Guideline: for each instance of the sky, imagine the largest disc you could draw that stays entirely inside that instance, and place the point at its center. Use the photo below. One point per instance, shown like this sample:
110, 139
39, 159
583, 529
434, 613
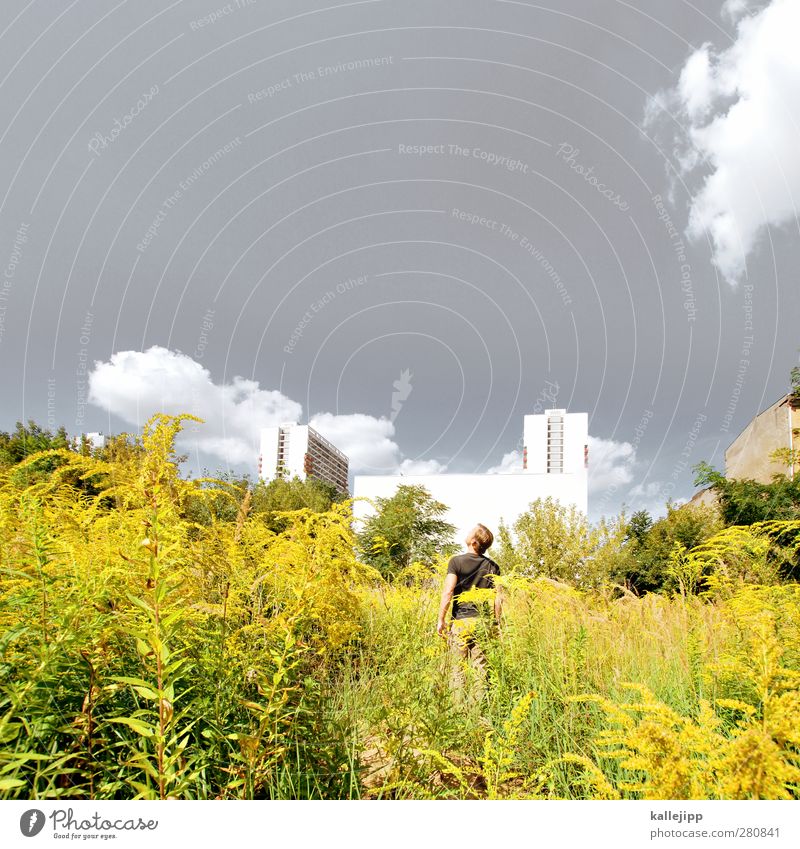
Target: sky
408, 223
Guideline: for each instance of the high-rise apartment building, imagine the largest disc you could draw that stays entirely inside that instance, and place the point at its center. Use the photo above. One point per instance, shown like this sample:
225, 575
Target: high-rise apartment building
554, 463
555, 442
292, 449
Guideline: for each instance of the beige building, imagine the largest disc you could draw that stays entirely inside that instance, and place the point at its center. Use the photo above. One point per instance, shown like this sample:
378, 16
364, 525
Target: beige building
748, 456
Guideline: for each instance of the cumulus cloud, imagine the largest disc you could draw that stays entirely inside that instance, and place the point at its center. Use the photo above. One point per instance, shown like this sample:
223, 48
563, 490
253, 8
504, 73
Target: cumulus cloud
511, 462
135, 384
646, 491
734, 9
367, 441
422, 467
697, 85
741, 113
610, 463
652, 497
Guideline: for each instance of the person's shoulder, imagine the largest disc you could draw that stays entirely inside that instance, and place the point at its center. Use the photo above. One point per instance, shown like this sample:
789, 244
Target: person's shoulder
463, 556
455, 563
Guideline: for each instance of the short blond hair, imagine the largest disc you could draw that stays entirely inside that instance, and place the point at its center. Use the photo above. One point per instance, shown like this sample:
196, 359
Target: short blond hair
483, 536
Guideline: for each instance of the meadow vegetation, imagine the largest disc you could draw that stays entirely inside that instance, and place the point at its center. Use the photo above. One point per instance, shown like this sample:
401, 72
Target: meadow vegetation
162, 637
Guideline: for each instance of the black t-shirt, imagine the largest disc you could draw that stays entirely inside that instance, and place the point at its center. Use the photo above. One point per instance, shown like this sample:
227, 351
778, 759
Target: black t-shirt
473, 571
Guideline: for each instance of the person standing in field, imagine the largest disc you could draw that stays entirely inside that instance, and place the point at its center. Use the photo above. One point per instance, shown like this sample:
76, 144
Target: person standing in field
472, 570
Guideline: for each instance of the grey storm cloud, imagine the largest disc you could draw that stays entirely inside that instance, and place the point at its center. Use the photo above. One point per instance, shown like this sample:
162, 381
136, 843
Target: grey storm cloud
405, 222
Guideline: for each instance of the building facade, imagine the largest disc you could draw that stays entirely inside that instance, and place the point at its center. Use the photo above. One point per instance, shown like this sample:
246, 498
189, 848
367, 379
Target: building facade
292, 449
96, 439
556, 442
747, 457
554, 463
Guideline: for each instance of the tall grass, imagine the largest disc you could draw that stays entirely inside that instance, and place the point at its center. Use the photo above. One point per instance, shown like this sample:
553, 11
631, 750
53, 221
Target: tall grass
144, 654
579, 655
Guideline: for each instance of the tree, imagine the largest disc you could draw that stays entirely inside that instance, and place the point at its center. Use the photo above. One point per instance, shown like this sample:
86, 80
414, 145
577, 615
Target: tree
404, 529
30, 439
280, 494
744, 502
646, 566
639, 526
264, 499
549, 540
791, 456
607, 540
794, 393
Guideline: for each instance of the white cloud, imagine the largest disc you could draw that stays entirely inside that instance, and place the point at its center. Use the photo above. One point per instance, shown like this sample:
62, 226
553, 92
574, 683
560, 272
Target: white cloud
651, 497
741, 107
367, 441
610, 463
511, 462
697, 85
422, 467
646, 491
734, 9
135, 384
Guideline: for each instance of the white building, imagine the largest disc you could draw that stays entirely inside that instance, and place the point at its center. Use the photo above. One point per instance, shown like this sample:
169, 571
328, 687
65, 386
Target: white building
96, 439
291, 449
555, 461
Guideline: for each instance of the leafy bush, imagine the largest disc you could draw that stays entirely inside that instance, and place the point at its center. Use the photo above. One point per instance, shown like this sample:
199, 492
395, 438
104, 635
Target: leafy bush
169, 638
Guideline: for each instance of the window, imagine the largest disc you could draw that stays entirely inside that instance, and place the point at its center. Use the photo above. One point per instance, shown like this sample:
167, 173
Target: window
555, 444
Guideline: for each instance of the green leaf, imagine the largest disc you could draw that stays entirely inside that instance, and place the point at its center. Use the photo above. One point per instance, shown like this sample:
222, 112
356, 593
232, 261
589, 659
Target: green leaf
173, 667
16, 573
134, 682
141, 603
10, 783
161, 591
143, 762
10, 732
147, 693
19, 758
145, 792
168, 620
136, 724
